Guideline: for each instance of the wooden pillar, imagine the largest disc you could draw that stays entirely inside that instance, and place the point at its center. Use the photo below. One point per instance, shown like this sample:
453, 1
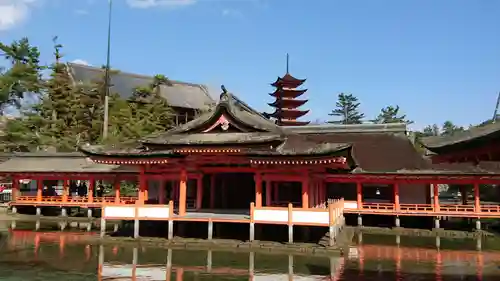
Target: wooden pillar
305, 192
396, 196
477, 199
142, 185
258, 189
90, 191
212, 191
436, 197
65, 190
268, 193
182, 192
117, 190
161, 192
39, 189
146, 190
199, 192
15, 188
359, 195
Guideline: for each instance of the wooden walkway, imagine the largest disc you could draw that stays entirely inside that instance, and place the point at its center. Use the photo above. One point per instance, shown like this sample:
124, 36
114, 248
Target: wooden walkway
486, 211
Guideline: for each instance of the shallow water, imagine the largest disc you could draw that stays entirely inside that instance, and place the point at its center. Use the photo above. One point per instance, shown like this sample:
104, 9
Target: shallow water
54, 256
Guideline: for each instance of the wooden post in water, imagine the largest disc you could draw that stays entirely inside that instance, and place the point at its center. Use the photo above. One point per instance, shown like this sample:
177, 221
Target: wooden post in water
210, 229
252, 222
170, 220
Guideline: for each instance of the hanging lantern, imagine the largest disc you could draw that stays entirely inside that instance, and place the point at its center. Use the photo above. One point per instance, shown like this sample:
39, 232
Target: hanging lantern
377, 192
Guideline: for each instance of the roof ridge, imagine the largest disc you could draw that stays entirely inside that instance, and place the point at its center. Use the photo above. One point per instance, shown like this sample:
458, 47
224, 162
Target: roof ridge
136, 75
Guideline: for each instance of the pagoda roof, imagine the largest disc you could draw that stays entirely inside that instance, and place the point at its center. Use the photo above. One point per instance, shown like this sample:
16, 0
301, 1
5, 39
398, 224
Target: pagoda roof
288, 80
286, 113
287, 103
289, 93
177, 93
293, 123
460, 140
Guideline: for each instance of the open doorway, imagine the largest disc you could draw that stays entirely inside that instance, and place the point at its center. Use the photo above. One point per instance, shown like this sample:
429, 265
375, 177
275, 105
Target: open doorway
232, 191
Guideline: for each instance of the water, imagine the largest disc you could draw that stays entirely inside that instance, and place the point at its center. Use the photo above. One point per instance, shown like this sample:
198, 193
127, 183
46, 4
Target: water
54, 256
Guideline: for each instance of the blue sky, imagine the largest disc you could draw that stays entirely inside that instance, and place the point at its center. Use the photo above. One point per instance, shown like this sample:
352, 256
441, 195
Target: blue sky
436, 59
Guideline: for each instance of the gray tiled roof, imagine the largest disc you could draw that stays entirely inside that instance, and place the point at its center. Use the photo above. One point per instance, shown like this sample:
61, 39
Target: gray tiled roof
179, 94
486, 131
43, 162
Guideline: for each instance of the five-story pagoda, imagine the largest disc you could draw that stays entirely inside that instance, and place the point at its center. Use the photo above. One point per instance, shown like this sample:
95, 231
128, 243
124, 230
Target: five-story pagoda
286, 103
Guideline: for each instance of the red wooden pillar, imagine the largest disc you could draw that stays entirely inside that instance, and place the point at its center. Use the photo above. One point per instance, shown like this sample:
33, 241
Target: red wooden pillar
212, 191
258, 189
182, 192
39, 189
305, 192
477, 202
15, 188
268, 193
199, 192
143, 182
436, 197
396, 196
65, 190
90, 192
161, 192
359, 195
117, 190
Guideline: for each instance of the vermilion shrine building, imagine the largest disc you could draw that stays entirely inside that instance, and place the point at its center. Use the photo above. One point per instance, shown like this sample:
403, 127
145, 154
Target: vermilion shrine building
232, 164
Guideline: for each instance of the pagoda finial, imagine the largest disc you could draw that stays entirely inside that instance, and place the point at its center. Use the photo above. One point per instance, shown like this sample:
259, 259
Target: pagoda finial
287, 62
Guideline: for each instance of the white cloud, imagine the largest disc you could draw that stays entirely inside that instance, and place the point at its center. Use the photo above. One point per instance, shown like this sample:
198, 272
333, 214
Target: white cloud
79, 61
143, 4
81, 12
14, 12
232, 13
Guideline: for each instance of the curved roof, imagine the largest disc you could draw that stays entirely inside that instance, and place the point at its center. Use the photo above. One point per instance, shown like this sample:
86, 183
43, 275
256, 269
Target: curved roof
473, 134
177, 94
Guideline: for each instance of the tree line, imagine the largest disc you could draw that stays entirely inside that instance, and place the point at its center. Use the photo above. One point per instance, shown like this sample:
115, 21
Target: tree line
347, 111
51, 111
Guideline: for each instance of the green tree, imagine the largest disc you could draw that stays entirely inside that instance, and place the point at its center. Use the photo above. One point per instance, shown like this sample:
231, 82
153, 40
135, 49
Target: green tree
449, 128
23, 75
146, 112
391, 114
347, 109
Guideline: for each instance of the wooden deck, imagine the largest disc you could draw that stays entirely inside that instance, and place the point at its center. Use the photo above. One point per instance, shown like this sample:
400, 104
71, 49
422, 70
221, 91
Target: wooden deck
228, 215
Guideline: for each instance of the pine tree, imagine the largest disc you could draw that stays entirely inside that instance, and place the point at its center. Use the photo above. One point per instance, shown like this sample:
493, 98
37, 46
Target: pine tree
23, 76
147, 112
347, 109
390, 114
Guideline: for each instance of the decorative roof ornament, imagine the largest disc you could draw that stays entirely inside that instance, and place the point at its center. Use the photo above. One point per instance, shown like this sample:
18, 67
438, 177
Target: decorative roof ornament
224, 95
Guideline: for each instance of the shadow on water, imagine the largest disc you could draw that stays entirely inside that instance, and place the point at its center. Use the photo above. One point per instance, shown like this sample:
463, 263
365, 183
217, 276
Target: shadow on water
48, 255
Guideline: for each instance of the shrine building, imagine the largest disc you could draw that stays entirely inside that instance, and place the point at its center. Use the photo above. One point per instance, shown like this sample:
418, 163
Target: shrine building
232, 164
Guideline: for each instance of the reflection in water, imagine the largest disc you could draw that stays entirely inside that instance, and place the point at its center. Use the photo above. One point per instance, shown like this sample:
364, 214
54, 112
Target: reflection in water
67, 256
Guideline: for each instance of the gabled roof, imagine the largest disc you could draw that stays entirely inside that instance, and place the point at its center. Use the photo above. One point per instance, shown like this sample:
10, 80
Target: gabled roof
436, 143
252, 133
238, 113
178, 94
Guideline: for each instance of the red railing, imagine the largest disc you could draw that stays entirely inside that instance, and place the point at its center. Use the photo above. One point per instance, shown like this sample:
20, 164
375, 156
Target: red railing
426, 209
74, 200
